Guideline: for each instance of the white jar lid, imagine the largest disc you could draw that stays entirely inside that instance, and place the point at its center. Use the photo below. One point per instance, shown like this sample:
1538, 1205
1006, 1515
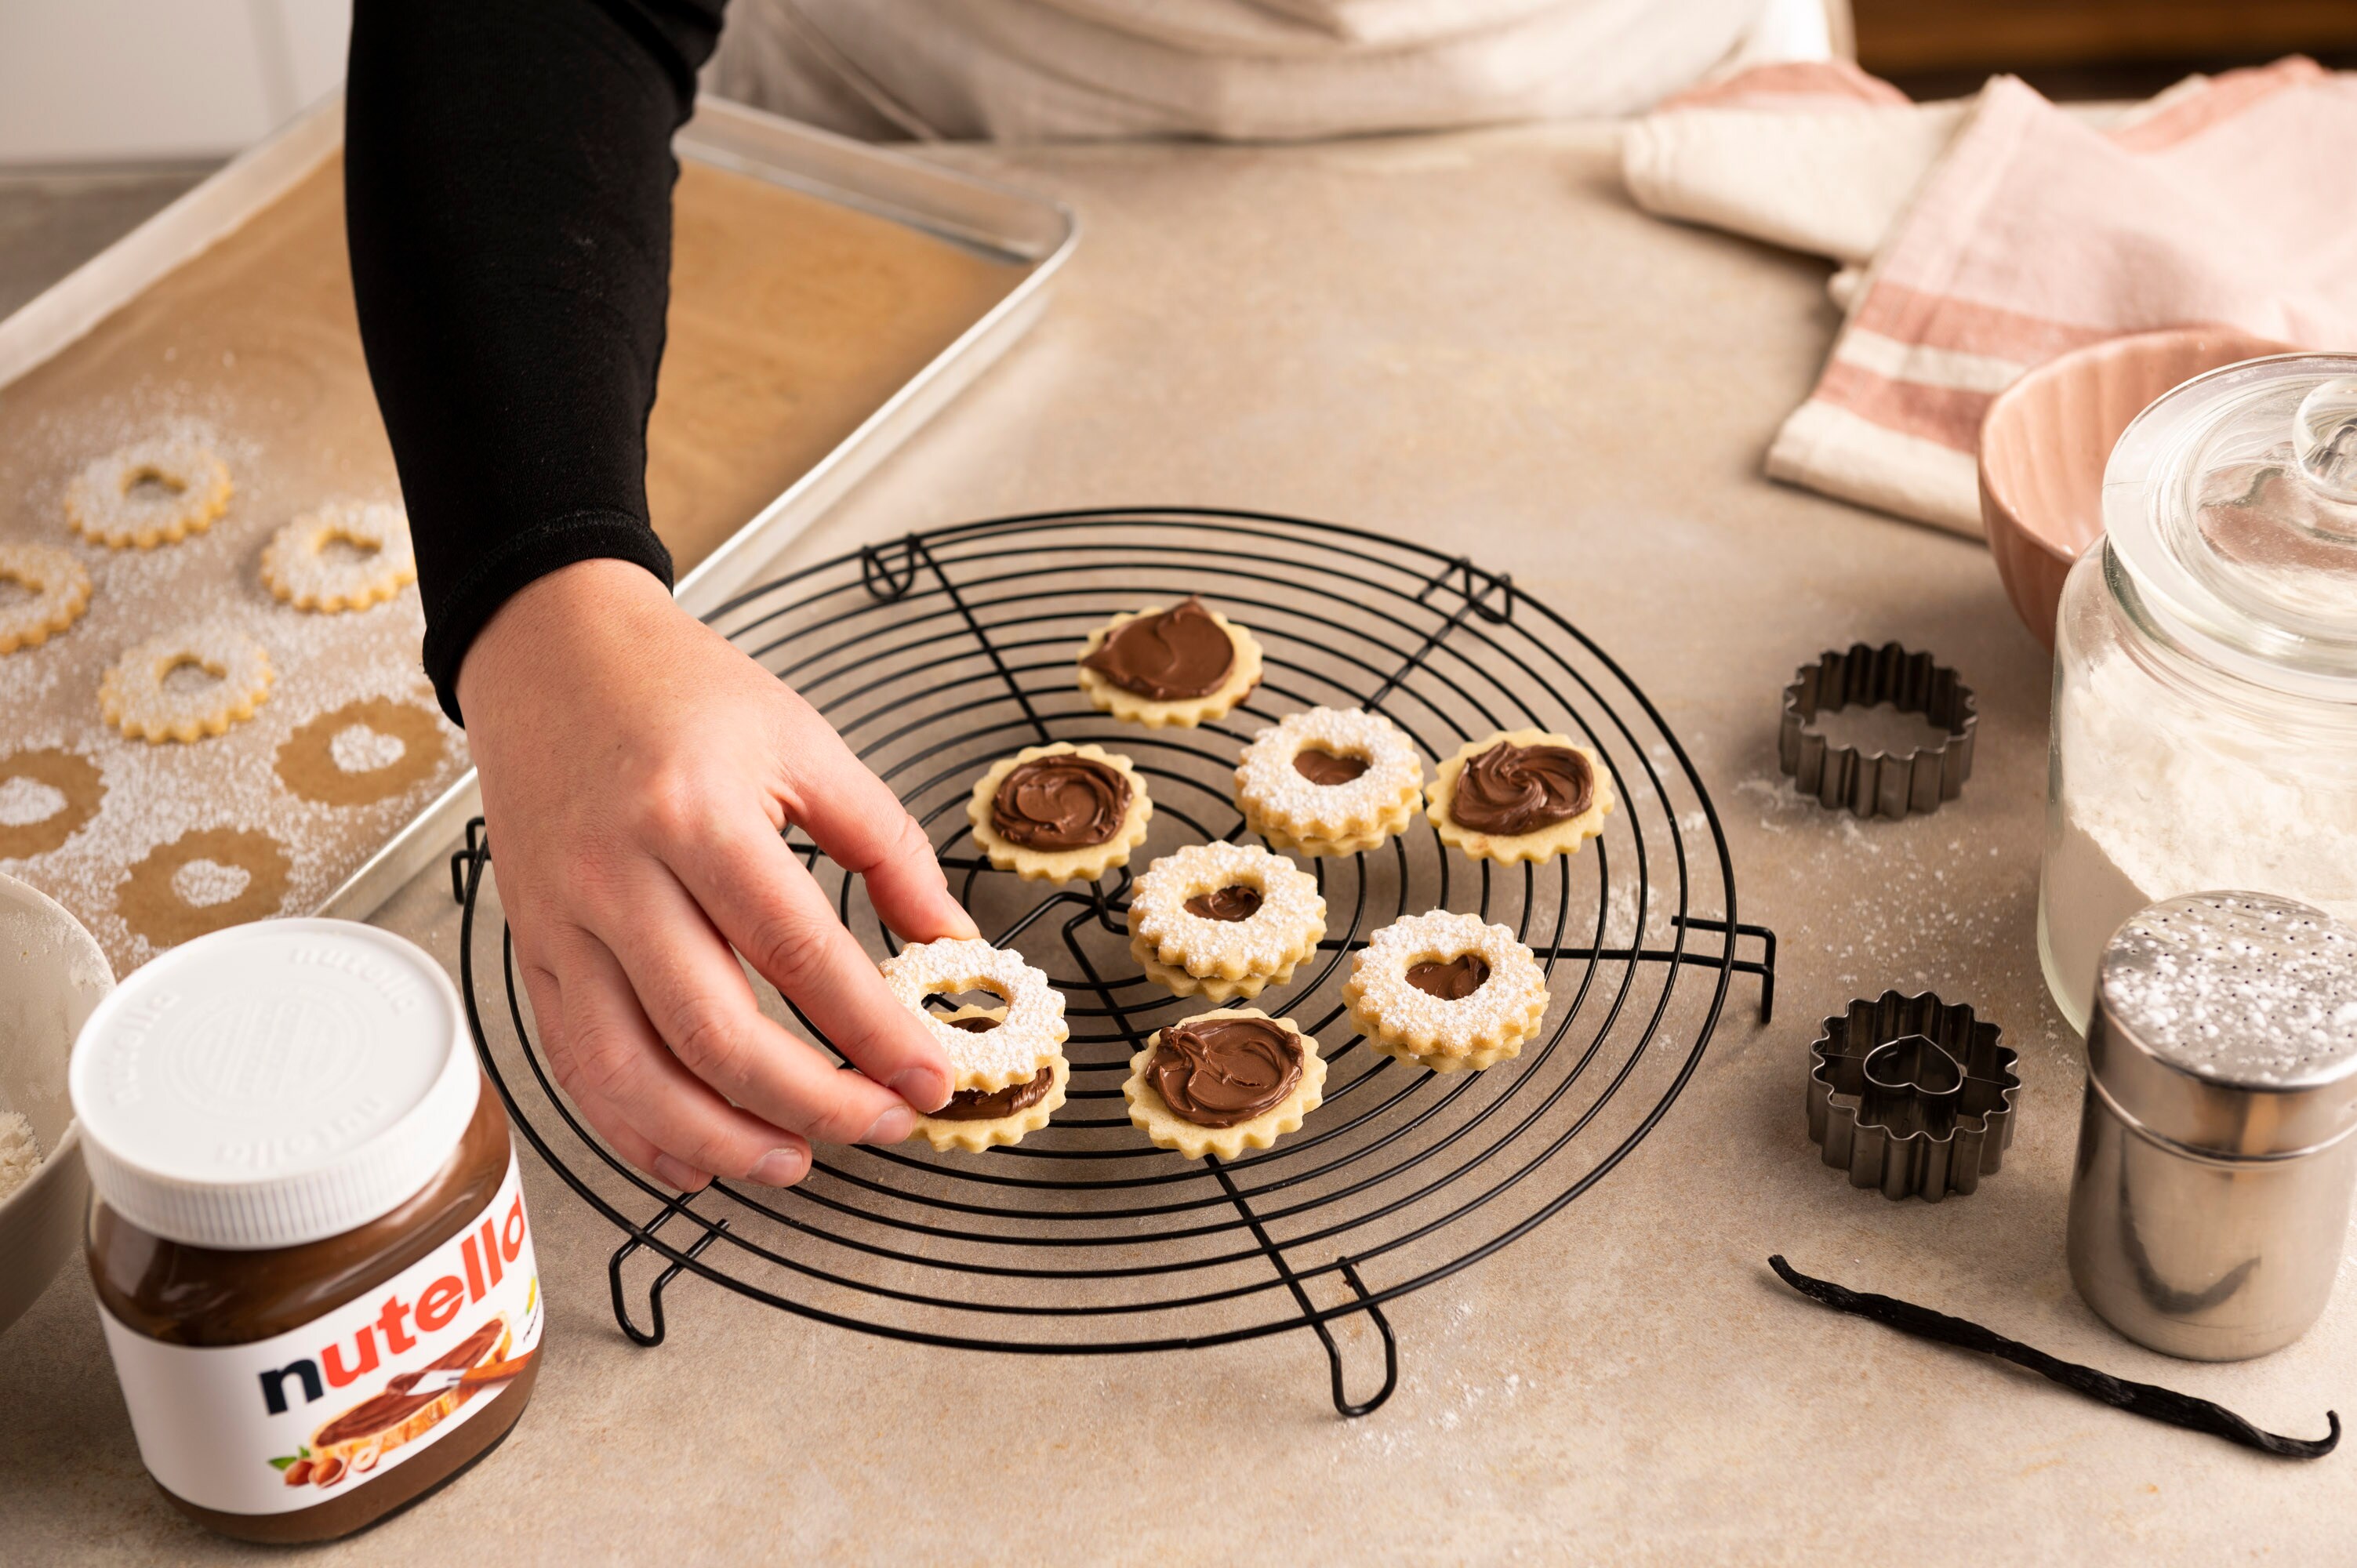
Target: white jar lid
273, 1084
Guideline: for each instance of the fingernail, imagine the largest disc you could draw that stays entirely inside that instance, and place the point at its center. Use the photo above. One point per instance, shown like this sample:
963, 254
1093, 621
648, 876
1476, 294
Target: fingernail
687, 1178
961, 924
780, 1167
891, 1127
922, 1086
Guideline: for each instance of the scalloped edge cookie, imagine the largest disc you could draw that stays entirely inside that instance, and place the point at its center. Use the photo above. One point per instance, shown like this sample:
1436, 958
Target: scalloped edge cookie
1293, 815
1185, 712
1167, 1130
973, 1137
59, 586
1510, 849
132, 698
1218, 988
1161, 929
1034, 1009
1084, 864
98, 505
1385, 1008
296, 573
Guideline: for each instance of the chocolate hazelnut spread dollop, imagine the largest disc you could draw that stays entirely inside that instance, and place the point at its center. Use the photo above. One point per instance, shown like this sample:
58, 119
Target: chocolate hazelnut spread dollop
1218, 1072
1060, 803
1237, 903
1323, 767
1451, 980
990, 1105
1173, 654
1511, 789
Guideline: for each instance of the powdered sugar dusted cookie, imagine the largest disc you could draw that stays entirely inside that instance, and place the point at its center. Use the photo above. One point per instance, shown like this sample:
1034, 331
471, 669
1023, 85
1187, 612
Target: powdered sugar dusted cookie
1060, 813
1330, 781
1030, 1035
1444, 987
1224, 920
1524, 794
58, 590
976, 1119
298, 568
150, 493
135, 697
1184, 664
1224, 1081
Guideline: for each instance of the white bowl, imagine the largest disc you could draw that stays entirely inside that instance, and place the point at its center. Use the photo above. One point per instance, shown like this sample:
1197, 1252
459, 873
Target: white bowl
52, 975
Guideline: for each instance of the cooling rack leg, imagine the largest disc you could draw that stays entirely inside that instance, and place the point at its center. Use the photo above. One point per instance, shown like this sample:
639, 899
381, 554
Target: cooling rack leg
1334, 1354
1309, 1309
653, 1334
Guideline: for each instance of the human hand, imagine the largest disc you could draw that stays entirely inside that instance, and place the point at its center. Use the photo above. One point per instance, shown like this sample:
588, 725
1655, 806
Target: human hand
637, 774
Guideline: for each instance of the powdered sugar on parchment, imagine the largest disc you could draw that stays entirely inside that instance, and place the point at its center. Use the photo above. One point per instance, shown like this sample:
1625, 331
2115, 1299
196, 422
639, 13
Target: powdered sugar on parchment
156, 793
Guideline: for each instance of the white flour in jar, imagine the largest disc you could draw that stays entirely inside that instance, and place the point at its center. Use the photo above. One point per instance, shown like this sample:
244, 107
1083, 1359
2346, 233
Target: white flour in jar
20, 1153
2151, 811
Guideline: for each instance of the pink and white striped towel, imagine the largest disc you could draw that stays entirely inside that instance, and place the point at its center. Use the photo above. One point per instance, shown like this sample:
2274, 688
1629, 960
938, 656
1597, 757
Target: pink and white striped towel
2005, 232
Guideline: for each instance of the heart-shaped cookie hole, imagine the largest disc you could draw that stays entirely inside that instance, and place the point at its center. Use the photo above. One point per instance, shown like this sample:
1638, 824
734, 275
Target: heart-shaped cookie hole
202, 883
357, 749
24, 801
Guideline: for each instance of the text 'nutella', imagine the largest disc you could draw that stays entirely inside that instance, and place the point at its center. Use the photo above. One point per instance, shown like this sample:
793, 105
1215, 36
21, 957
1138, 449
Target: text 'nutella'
308, 1233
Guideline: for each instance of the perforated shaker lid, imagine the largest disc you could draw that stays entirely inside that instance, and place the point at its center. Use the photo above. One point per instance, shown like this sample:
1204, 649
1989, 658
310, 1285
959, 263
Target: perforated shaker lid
2228, 1022
2231, 504
273, 1084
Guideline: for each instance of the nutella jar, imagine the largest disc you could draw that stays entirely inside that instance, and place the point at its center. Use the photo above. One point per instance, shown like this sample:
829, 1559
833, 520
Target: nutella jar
306, 1232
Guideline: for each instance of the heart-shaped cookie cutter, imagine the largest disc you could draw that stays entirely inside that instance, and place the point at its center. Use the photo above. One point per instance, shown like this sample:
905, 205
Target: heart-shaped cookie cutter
1911, 1095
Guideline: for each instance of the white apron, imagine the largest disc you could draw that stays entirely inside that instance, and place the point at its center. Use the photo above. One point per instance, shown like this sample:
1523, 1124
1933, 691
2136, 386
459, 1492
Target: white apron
1232, 69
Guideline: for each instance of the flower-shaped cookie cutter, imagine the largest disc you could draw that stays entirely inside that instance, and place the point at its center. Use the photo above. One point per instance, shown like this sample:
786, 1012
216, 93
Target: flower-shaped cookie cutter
1912, 1095
1878, 782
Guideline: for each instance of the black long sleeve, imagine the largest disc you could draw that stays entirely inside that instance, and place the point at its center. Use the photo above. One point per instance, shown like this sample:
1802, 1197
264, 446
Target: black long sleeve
507, 187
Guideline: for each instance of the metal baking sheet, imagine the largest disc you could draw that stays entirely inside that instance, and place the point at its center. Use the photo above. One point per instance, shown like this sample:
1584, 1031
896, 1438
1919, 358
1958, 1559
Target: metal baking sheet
727, 491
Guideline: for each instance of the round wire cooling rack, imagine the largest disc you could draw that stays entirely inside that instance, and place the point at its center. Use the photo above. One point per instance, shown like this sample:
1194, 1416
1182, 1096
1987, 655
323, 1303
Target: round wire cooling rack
936, 654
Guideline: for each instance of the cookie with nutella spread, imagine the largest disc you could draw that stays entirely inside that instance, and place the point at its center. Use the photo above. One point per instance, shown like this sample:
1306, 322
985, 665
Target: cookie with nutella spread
1224, 920
1181, 664
1446, 992
1330, 781
1060, 814
1030, 1036
1522, 794
1221, 1082
979, 1119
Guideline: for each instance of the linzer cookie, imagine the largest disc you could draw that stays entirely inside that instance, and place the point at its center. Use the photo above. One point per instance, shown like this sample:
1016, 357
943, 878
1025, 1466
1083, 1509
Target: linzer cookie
1446, 992
1183, 665
155, 492
1330, 781
298, 567
1030, 1036
1224, 920
1060, 814
136, 695
979, 1119
1221, 1082
1523, 794
56, 590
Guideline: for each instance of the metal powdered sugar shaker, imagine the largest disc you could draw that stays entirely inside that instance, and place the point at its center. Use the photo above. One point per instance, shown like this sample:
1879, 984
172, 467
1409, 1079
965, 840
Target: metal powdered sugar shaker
2211, 1192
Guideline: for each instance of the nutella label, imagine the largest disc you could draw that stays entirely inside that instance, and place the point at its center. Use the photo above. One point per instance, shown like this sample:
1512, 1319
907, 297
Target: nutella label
286, 1423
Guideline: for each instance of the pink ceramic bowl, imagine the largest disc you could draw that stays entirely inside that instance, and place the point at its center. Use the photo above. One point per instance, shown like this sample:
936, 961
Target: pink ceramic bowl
2046, 439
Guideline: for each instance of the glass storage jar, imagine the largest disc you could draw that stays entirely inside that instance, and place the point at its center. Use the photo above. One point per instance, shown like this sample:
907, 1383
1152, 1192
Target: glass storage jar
2205, 672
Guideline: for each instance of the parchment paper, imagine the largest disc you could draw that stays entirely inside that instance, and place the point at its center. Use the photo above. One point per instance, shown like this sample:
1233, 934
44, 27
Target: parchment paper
791, 320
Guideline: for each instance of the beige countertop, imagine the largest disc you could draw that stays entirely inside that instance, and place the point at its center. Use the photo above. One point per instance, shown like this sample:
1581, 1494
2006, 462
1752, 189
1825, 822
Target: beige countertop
1469, 341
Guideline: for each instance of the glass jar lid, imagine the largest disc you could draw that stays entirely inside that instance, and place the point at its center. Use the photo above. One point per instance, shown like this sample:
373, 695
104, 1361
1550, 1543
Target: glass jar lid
2232, 506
